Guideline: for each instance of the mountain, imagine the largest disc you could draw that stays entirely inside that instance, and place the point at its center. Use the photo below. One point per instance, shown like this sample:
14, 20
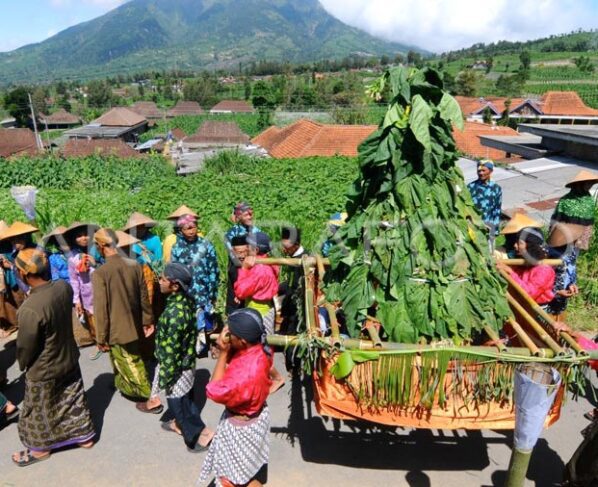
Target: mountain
190, 34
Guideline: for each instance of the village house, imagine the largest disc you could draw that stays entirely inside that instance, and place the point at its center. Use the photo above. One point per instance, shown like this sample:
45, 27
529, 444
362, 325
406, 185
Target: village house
98, 147
216, 134
18, 142
117, 123
60, 119
232, 106
185, 108
306, 138
552, 107
148, 110
470, 145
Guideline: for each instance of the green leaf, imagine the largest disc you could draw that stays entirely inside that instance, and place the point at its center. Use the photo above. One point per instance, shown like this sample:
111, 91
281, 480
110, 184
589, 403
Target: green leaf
451, 111
419, 121
343, 366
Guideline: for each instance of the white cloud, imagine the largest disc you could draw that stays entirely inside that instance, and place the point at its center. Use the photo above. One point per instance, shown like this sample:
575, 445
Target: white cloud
442, 25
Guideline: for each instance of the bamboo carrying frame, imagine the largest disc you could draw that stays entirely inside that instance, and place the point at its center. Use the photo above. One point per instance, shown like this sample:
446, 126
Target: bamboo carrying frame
533, 332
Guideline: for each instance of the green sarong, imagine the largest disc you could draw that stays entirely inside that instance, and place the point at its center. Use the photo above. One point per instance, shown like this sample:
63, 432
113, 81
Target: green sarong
130, 375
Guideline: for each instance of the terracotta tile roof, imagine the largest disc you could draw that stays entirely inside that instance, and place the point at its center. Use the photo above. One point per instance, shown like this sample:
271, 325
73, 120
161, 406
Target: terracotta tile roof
544, 205
215, 132
565, 103
234, 106
105, 147
178, 133
468, 140
306, 138
15, 142
147, 109
185, 108
61, 117
119, 117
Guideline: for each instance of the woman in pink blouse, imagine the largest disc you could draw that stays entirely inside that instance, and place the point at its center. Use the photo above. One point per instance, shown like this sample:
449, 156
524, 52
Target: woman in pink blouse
536, 279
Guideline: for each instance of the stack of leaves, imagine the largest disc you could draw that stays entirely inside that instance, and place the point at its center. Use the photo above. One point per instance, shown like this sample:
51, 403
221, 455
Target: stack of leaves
414, 251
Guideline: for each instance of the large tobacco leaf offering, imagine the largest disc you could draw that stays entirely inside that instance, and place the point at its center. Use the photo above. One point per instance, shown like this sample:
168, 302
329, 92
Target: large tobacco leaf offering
414, 251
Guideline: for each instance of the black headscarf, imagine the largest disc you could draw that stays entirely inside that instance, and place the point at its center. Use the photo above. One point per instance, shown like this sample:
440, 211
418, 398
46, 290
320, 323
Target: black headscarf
247, 323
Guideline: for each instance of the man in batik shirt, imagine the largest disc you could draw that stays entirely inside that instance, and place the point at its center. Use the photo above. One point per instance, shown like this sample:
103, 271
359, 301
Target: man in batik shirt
487, 196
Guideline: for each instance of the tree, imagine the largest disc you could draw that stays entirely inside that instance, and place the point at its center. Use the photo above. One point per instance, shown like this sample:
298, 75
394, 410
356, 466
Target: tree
525, 59
263, 100
17, 104
384, 60
584, 64
203, 90
487, 115
510, 85
61, 88
99, 94
489, 64
63, 102
39, 101
247, 88
466, 83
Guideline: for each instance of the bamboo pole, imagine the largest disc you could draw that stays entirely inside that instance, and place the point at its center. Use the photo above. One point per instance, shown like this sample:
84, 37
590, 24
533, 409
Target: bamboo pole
367, 345
309, 298
523, 262
495, 338
544, 316
528, 342
292, 262
320, 267
541, 332
336, 334
370, 327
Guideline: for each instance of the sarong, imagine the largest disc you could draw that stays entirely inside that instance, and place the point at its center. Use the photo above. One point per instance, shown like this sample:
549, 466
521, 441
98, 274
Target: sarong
181, 387
269, 319
84, 332
130, 374
239, 449
54, 413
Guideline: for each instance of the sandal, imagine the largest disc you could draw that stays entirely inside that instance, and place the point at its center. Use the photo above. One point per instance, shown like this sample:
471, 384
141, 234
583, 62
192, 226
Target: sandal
8, 417
7, 333
591, 415
96, 355
200, 448
142, 407
168, 427
26, 458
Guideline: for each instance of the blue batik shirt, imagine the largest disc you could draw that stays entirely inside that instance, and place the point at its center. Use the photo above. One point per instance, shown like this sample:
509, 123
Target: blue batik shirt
237, 230
200, 258
487, 197
59, 267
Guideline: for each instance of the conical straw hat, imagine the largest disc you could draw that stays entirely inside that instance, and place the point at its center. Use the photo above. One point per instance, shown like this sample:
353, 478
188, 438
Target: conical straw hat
3, 227
54, 233
17, 229
181, 211
582, 177
518, 223
124, 239
137, 220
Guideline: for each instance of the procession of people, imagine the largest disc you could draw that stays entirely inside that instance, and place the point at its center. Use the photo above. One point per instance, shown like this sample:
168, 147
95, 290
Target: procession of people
149, 305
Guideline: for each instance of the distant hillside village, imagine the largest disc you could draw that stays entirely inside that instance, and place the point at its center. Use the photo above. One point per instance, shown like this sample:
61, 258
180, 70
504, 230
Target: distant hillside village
283, 111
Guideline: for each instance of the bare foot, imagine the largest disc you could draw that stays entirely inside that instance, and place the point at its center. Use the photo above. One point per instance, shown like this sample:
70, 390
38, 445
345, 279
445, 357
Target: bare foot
205, 437
87, 445
276, 384
10, 408
18, 456
153, 402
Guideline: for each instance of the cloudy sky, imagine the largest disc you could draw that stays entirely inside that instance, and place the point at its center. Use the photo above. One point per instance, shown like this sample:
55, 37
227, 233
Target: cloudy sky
436, 25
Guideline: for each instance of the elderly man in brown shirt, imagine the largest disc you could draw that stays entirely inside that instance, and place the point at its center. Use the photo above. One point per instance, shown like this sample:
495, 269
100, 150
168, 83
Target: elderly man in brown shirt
54, 413
123, 315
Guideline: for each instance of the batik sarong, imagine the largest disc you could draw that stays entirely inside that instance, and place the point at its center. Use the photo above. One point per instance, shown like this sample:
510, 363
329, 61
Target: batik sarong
130, 374
54, 413
239, 450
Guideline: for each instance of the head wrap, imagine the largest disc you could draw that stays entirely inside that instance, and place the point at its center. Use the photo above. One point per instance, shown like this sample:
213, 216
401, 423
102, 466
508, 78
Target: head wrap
238, 240
259, 240
241, 207
106, 237
186, 220
531, 235
291, 233
487, 164
178, 273
32, 261
247, 323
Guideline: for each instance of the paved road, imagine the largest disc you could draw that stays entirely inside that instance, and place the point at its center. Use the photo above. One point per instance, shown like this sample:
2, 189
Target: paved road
306, 449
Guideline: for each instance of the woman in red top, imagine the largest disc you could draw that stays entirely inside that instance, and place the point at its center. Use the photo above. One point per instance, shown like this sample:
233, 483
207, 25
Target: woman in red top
238, 454
536, 279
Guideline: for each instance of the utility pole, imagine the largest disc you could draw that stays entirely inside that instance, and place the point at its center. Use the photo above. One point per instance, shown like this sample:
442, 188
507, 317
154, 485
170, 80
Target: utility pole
38, 140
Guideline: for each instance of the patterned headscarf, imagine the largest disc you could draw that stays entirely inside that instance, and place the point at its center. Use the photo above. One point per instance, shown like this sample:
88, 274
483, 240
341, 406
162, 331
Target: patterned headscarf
32, 261
186, 220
